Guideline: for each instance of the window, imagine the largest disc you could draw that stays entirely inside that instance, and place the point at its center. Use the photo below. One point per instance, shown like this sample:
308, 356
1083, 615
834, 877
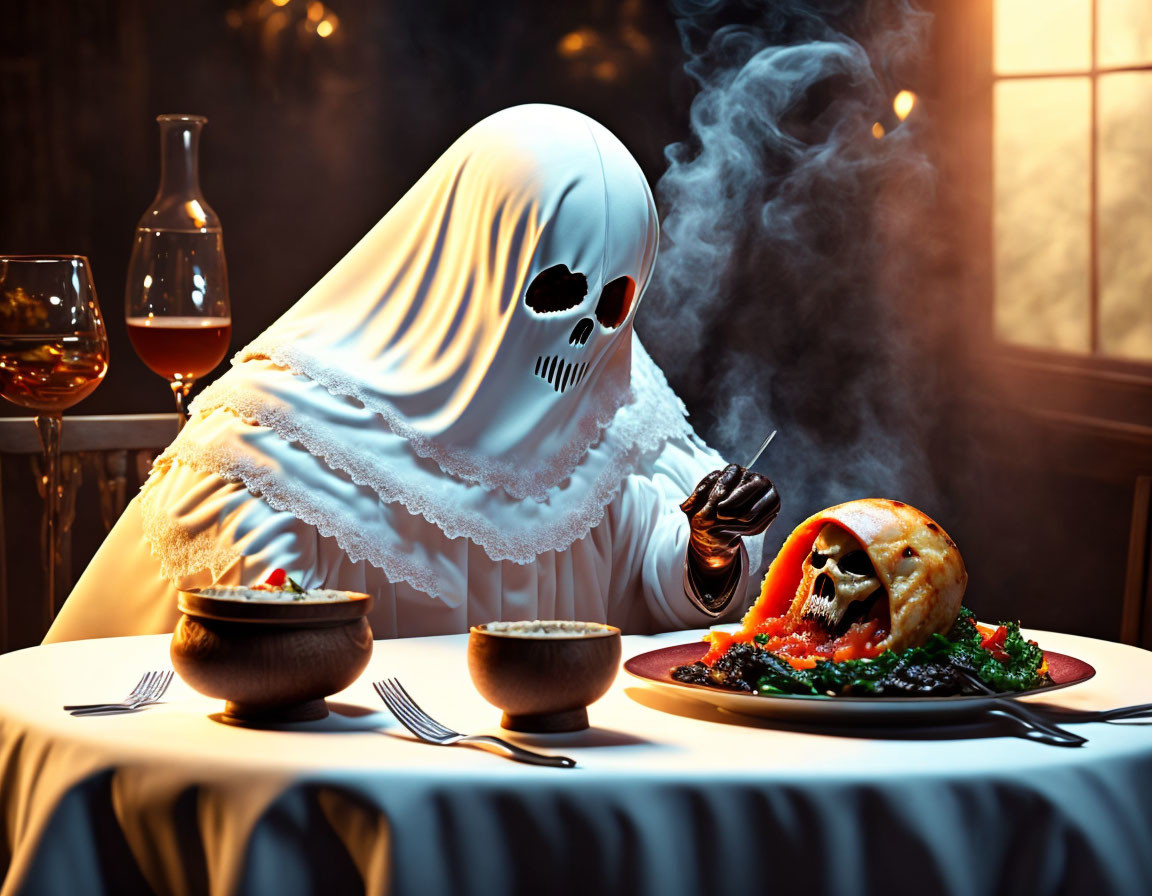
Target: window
1072, 171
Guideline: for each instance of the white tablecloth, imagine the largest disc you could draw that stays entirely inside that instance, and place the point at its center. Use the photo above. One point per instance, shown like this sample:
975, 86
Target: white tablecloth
670, 796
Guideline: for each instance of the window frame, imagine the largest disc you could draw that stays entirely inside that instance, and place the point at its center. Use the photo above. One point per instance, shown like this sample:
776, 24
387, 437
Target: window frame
1088, 392
1093, 73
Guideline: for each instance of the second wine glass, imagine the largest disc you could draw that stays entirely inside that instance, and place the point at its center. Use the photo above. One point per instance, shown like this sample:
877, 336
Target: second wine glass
176, 299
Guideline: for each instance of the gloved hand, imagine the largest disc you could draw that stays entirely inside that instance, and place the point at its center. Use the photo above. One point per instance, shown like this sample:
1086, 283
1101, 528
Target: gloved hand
727, 505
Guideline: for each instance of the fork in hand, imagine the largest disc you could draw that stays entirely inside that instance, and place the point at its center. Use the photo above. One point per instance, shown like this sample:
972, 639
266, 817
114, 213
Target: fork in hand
429, 730
149, 689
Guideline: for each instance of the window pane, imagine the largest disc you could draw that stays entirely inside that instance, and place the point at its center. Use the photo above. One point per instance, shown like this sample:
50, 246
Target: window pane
1125, 147
1042, 213
1043, 35
1125, 32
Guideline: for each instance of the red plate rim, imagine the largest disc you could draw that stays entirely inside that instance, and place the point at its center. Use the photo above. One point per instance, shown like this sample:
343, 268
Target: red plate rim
657, 665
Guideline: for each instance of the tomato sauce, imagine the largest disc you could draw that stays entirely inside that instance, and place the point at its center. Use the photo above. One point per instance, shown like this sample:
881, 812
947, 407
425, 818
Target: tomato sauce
803, 642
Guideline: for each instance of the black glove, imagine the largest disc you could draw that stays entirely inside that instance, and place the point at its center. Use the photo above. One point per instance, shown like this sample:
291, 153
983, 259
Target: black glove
727, 505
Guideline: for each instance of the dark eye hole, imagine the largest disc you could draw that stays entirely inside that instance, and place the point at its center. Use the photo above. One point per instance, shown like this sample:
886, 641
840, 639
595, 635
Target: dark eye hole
556, 289
857, 564
818, 560
615, 302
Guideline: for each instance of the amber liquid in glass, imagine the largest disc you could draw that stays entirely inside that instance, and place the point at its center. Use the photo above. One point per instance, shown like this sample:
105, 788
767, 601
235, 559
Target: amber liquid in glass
180, 348
50, 372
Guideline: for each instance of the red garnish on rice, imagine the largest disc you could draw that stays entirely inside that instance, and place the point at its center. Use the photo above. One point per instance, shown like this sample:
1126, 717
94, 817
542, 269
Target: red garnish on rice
274, 582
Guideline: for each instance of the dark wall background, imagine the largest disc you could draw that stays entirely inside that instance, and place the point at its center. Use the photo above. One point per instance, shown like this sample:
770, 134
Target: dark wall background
821, 289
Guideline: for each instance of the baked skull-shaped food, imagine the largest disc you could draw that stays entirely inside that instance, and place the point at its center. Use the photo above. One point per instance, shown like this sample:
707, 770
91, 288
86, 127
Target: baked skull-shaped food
839, 584
869, 560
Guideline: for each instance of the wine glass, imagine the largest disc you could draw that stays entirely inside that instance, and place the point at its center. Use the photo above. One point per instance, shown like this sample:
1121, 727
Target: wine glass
176, 298
53, 353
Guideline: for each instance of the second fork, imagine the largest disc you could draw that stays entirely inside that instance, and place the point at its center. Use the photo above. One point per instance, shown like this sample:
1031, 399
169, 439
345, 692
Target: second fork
427, 729
150, 689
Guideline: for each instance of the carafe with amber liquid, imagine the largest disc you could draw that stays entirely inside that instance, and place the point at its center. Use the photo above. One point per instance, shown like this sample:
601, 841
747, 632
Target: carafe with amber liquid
176, 297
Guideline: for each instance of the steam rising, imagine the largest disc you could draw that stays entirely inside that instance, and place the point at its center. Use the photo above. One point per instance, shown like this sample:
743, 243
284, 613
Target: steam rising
779, 299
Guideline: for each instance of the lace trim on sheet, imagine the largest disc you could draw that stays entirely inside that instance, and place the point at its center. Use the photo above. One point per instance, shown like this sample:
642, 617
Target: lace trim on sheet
179, 551
182, 553
517, 478
656, 416
631, 436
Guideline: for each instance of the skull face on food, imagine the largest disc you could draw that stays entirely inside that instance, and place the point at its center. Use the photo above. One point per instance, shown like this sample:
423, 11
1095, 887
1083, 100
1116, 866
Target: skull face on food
839, 585
870, 559
558, 295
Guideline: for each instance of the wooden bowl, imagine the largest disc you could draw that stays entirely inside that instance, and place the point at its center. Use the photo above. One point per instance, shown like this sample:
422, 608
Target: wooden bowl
271, 661
544, 683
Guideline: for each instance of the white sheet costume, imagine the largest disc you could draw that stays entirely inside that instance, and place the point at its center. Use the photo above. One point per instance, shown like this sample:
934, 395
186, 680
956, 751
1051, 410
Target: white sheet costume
419, 428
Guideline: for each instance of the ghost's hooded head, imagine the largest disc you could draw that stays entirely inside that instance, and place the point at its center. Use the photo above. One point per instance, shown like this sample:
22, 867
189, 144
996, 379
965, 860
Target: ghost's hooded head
488, 316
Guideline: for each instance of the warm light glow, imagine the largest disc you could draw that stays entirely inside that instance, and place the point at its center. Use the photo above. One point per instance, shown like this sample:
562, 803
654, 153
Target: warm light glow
1124, 32
315, 10
1042, 212
606, 71
903, 103
279, 2
1035, 36
325, 28
196, 212
1125, 214
572, 43
878, 130
636, 39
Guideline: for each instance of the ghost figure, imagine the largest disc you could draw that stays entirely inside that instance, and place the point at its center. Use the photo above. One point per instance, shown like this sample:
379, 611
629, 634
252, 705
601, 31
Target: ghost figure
457, 419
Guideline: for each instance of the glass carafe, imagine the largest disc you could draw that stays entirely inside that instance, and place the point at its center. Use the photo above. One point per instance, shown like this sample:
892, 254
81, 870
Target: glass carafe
176, 298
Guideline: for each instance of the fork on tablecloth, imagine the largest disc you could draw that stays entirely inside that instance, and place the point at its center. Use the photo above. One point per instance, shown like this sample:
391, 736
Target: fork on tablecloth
1030, 717
412, 717
149, 689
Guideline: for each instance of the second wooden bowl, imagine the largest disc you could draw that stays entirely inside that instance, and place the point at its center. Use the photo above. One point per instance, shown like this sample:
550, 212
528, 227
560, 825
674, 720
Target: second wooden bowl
543, 682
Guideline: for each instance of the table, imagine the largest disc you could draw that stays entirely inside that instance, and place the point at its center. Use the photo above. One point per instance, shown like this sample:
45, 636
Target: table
670, 796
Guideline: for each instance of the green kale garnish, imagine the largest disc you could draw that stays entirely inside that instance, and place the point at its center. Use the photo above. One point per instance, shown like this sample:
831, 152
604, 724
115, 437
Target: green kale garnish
938, 668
